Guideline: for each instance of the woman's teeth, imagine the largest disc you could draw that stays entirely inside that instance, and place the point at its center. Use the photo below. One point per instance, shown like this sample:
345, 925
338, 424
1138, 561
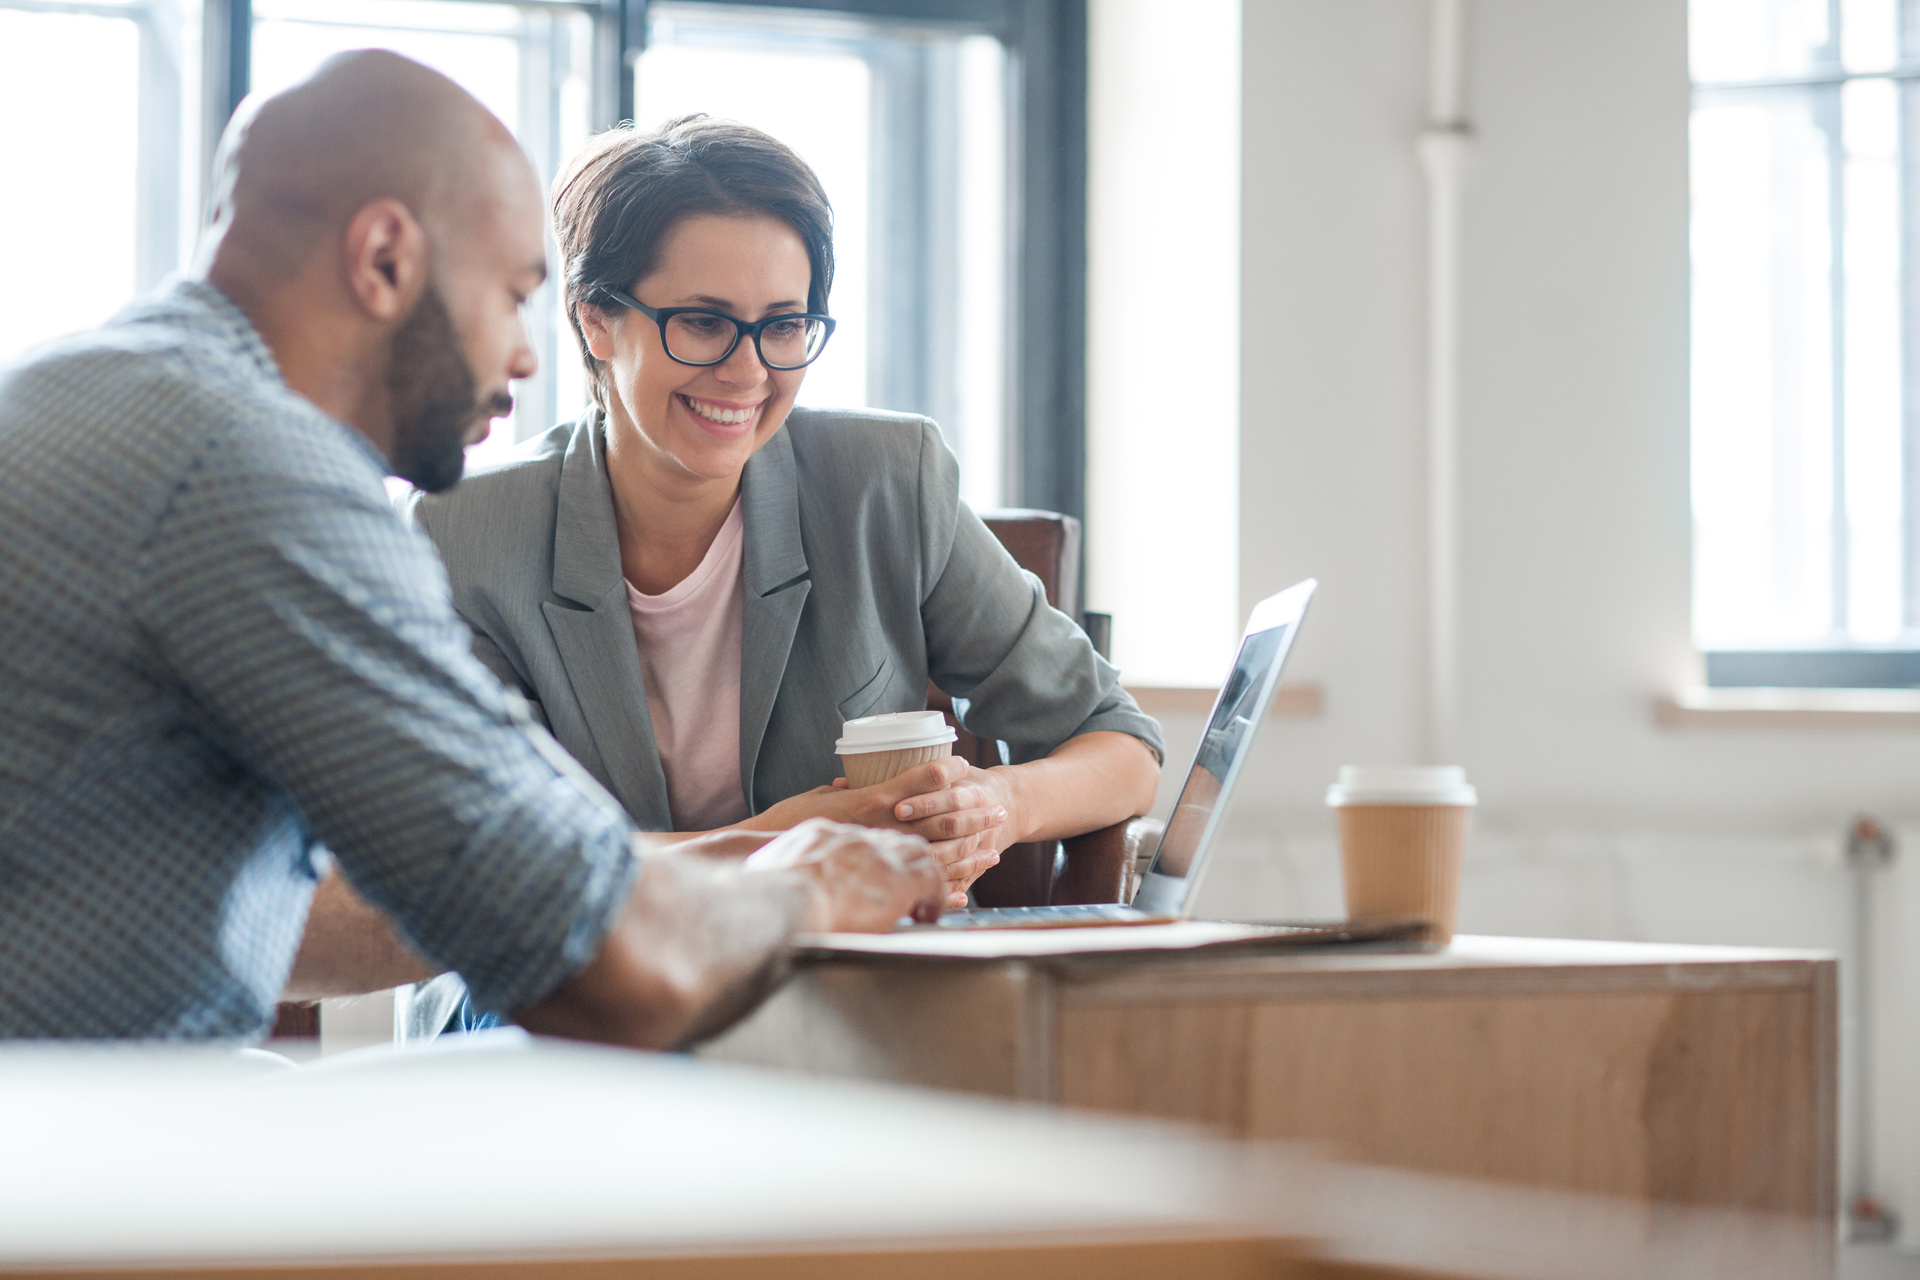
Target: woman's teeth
713, 413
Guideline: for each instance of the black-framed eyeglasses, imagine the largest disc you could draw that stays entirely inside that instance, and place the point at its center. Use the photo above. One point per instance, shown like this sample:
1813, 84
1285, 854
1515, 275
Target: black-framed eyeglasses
700, 337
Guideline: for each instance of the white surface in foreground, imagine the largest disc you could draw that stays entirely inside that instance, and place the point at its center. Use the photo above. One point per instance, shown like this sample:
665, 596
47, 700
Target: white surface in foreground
141, 1154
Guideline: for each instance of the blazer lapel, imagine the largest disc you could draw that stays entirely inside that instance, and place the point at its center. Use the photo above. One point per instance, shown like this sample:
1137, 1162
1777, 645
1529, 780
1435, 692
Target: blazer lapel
596, 640
776, 588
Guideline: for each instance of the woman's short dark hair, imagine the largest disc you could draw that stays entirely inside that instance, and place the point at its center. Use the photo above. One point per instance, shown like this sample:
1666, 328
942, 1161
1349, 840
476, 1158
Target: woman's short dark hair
618, 199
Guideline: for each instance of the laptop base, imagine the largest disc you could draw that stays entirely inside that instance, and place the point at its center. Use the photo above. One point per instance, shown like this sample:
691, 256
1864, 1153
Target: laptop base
1078, 916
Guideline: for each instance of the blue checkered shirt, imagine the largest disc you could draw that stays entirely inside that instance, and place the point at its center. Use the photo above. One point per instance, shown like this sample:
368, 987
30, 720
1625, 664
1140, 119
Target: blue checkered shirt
220, 650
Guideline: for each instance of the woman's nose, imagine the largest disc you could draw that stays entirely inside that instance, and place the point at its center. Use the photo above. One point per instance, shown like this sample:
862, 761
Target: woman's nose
743, 367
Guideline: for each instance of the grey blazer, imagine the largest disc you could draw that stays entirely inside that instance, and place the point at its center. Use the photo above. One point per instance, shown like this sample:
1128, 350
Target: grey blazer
865, 575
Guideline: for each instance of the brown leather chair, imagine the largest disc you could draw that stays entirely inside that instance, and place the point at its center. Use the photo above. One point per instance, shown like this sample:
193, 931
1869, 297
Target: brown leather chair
1097, 866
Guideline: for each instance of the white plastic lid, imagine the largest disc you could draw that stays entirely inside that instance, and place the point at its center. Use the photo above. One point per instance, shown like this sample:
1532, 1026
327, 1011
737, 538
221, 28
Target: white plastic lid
1410, 784
893, 731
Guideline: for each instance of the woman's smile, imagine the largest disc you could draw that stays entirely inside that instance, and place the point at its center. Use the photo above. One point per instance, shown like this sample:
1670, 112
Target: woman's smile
729, 418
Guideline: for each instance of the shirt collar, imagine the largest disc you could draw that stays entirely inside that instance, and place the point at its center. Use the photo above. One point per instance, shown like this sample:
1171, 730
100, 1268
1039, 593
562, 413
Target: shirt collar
222, 320
226, 321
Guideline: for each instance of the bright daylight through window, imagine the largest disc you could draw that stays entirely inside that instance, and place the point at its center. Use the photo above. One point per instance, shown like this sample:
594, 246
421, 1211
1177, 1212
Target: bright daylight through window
907, 127
529, 64
1805, 522
102, 106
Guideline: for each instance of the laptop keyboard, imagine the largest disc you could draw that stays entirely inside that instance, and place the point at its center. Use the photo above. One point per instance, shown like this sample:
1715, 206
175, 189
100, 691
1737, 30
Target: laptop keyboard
1041, 917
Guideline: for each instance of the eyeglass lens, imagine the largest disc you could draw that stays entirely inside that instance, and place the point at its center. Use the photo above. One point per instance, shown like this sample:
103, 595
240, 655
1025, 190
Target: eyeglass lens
700, 337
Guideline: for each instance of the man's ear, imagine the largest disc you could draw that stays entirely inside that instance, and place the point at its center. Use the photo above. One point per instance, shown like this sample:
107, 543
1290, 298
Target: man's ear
388, 259
593, 323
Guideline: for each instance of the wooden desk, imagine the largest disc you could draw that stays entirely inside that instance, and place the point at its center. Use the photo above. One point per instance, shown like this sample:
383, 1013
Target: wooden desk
1685, 1075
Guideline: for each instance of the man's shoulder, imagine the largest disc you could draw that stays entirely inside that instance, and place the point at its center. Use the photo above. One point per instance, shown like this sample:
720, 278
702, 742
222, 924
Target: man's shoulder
139, 387
138, 369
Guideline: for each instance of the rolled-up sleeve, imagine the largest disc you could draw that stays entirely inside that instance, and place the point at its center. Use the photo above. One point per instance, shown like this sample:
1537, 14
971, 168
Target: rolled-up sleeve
1027, 672
316, 634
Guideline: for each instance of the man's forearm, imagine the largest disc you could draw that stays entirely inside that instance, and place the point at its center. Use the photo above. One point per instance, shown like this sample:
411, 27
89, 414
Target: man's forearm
698, 945
349, 948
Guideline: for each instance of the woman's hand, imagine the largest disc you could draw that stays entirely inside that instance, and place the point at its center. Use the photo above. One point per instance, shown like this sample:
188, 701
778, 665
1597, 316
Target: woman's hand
944, 813
1086, 783
963, 832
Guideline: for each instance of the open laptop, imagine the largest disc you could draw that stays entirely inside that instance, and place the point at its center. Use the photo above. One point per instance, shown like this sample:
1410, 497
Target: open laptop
1167, 891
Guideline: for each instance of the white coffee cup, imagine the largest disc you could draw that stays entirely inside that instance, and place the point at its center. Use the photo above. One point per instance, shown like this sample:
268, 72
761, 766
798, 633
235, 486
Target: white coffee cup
1403, 833
875, 748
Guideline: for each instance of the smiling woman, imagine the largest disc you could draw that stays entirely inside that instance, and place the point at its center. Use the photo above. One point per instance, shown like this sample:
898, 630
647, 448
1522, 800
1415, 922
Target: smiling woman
693, 399
697, 583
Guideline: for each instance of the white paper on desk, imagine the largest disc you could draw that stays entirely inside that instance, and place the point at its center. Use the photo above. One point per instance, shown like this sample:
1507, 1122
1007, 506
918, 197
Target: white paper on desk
1000, 944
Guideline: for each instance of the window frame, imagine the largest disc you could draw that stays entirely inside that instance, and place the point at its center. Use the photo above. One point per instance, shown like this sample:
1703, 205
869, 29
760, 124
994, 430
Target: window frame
1843, 665
160, 172
1046, 43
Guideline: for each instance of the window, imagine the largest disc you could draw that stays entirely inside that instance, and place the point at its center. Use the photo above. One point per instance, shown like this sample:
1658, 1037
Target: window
1163, 439
906, 126
103, 111
1805, 524
951, 135
531, 64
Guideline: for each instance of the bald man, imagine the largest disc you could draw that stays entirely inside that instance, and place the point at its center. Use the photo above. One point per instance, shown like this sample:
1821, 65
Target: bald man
223, 655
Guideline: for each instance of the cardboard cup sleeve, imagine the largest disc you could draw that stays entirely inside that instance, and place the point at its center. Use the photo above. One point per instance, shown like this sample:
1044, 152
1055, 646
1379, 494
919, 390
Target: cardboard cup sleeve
1404, 860
868, 767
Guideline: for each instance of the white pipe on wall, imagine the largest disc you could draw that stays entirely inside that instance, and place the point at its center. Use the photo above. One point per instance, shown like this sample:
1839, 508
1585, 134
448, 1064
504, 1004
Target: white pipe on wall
1444, 147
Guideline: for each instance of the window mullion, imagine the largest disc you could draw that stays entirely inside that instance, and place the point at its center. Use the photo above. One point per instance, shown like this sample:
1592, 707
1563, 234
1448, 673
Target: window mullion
157, 148
1841, 552
1909, 360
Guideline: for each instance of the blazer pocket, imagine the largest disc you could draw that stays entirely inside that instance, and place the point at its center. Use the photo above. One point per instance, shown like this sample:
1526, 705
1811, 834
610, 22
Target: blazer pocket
862, 700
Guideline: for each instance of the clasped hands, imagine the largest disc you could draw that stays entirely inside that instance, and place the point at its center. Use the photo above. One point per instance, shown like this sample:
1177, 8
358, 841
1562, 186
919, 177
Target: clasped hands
964, 814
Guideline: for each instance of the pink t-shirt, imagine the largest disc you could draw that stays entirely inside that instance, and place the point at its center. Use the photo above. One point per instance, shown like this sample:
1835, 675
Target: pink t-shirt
689, 638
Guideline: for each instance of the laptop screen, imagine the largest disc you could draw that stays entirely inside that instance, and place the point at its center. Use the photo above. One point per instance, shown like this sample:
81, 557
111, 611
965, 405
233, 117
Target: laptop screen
1237, 713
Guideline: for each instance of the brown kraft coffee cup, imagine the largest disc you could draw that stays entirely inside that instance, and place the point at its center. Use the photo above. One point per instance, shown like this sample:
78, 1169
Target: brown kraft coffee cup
876, 748
1403, 833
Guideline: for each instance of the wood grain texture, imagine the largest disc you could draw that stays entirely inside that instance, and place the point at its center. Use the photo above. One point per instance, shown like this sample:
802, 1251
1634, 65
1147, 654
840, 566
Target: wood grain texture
1173, 1062
1729, 1110
1708, 1098
971, 1030
1683, 1076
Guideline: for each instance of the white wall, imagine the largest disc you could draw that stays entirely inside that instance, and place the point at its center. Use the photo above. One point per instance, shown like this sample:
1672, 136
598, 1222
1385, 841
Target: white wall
1163, 334
1575, 528
1574, 538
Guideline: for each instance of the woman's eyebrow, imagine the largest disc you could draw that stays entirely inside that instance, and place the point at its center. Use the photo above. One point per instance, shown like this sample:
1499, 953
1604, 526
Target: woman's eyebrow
724, 304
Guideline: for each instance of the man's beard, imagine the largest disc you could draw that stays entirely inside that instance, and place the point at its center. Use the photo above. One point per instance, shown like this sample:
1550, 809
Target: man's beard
435, 397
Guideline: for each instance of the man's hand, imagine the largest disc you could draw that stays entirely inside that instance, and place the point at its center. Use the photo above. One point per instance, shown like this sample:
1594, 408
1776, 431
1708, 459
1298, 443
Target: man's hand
701, 941
965, 837
864, 879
